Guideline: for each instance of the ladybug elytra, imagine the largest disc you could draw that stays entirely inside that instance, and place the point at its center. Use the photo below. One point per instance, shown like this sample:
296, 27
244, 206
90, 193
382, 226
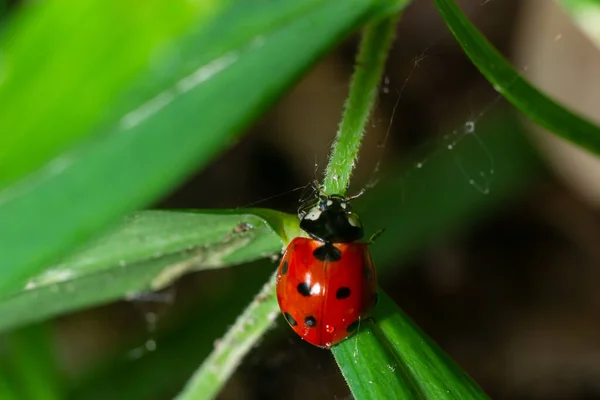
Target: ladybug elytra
326, 283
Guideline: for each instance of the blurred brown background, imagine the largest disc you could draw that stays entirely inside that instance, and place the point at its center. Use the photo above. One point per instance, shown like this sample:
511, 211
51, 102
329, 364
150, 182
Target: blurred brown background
510, 293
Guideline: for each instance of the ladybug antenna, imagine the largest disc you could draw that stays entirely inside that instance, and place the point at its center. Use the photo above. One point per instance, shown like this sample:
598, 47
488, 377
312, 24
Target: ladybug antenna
304, 196
319, 189
357, 195
274, 196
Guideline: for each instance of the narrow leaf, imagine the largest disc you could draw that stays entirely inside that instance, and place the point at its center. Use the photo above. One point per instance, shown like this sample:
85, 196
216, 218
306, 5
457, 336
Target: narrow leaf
397, 360
146, 252
514, 87
231, 349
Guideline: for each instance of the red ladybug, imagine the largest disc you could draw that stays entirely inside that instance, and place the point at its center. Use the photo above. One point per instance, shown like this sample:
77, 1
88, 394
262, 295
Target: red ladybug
327, 283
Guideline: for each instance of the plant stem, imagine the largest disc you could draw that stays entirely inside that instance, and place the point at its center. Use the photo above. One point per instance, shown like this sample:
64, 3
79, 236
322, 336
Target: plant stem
375, 44
231, 349
258, 317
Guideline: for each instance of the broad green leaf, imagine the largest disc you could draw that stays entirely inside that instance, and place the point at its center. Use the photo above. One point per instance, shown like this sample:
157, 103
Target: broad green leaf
190, 101
53, 65
586, 14
513, 86
146, 252
392, 358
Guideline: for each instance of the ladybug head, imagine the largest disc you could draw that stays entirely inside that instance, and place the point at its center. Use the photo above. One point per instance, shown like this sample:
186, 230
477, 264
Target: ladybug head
329, 218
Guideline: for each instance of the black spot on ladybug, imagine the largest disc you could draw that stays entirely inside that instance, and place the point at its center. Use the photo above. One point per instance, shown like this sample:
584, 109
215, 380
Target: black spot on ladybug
284, 268
288, 317
353, 326
310, 321
375, 298
343, 293
327, 252
368, 274
304, 289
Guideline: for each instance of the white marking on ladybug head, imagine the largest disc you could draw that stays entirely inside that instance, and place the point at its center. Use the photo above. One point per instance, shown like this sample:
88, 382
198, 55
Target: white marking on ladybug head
313, 215
353, 220
343, 205
329, 203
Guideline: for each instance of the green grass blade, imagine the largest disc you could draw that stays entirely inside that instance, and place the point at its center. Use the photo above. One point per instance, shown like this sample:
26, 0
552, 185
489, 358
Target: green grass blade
231, 349
400, 361
370, 62
379, 375
181, 112
146, 252
513, 87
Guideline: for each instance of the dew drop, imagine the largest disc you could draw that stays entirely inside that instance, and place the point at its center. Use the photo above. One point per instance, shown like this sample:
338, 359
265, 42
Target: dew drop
151, 318
469, 126
150, 345
449, 147
330, 328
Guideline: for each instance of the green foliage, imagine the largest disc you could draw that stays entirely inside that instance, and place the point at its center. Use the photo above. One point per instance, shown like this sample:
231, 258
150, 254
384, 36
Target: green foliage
98, 136
146, 252
190, 99
370, 64
392, 358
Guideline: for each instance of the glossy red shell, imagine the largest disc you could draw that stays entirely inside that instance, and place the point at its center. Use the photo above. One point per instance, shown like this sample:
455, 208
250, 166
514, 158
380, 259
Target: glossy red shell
323, 301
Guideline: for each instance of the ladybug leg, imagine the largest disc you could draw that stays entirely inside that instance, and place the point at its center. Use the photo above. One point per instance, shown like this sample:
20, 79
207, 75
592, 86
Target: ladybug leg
375, 236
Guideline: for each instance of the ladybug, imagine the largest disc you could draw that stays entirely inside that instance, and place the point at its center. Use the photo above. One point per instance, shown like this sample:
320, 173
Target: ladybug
326, 283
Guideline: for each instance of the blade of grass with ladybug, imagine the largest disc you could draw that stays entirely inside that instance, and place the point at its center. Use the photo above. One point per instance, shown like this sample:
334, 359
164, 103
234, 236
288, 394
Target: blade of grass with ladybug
384, 356
326, 283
